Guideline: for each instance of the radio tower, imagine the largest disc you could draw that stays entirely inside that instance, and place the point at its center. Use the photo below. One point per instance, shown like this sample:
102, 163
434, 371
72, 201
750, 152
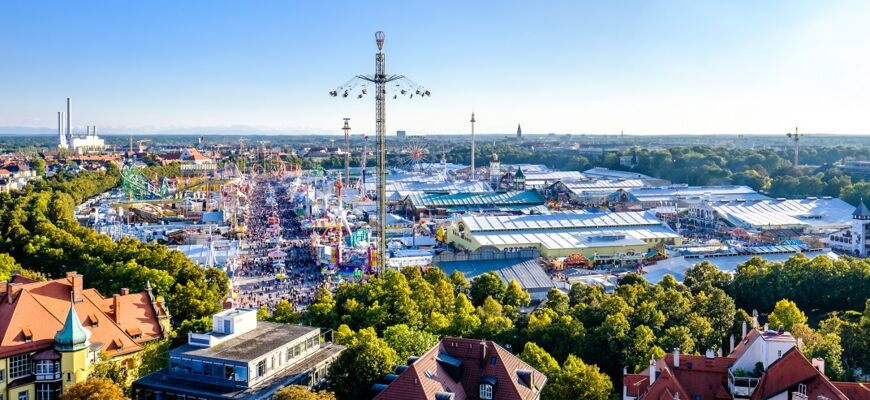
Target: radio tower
399, 85
346, 129
797, 147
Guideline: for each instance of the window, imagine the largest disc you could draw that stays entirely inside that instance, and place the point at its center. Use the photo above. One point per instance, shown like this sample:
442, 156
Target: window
2, 376
492, 360
19, 366
779, 354
46, 392
261, 368
229, 372
23, 395
485, 391
241, 374
44, 367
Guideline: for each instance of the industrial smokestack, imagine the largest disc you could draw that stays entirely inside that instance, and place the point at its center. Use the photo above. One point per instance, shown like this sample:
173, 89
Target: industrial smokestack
69, 131
60, 134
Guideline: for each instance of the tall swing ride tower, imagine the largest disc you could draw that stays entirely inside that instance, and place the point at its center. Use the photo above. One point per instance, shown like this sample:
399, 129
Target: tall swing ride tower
399, 85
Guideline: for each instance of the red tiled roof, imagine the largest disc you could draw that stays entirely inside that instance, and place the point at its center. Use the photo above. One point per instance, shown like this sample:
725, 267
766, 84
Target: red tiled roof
707, 377
790, 370
426, 377
854, 390
41, 307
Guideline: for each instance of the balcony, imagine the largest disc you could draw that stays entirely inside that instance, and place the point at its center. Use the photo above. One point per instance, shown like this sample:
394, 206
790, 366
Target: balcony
741, 386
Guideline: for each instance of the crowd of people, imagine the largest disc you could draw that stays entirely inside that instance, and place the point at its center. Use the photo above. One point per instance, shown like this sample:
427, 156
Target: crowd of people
278, 263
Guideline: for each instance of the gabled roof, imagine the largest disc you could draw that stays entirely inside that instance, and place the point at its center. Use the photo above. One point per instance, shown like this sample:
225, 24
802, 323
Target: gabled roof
430, 373
42, 308
792, 369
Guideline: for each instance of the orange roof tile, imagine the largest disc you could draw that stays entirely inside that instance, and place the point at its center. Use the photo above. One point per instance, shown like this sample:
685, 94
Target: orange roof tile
790, 370
41, 307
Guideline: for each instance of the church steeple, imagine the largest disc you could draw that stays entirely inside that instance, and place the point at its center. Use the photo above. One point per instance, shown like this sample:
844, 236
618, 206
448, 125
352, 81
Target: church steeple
519, 132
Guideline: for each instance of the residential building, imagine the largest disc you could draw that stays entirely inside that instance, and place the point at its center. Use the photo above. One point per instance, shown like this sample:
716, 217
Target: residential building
460, 369
786, 374
54, 331
241, 358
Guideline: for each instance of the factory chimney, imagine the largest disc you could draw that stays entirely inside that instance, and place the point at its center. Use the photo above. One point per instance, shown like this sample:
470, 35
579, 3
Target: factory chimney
69, 131
61, 136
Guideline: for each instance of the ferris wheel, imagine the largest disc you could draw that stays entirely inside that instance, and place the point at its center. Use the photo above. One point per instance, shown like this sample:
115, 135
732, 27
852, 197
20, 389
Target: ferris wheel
414, 157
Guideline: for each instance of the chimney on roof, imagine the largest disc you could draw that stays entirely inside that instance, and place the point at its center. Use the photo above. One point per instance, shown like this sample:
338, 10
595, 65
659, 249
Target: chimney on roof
652, 370
780, 330
766, 327
754, 318
710, 354
676, 357
482, 354
125, 291
719, 352
743, 330
731, 343
116, 305
77, 285
819, 364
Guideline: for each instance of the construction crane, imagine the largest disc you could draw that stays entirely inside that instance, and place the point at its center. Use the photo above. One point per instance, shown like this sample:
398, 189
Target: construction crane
797, 147
398, 85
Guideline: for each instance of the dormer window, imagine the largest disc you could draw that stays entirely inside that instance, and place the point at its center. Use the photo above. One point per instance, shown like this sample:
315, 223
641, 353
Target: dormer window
485, 391
487, 387
28, 335
95, 321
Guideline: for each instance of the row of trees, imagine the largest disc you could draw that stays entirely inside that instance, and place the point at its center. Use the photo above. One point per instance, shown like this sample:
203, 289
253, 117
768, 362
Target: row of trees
571, 338
38, 232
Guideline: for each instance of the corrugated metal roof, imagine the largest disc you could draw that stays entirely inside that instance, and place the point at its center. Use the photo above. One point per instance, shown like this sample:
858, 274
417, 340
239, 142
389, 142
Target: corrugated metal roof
559, 221
527, 272
818, 213
528, 197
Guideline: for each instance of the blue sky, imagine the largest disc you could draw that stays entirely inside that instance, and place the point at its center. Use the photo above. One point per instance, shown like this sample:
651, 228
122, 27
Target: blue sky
645, 67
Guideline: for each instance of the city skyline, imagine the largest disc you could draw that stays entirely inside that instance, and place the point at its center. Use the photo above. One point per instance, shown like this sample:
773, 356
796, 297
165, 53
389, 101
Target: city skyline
641, 68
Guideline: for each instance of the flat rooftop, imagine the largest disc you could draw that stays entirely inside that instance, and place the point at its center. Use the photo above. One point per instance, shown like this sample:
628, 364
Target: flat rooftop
250, 345
293, 374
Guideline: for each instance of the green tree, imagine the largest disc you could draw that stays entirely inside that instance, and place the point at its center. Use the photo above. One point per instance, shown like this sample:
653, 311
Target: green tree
94, 388
828, 348
578, 380
493, 322
408, 342
515, 296
7, 265
539, 359
677, 337
359, 366
786, 314
322, 312
460, 284
464, 320
285, 313
298, 392
486, 285
704, 276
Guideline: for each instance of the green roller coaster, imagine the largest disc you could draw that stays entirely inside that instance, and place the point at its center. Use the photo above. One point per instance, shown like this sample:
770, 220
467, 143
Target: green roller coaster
137, 186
